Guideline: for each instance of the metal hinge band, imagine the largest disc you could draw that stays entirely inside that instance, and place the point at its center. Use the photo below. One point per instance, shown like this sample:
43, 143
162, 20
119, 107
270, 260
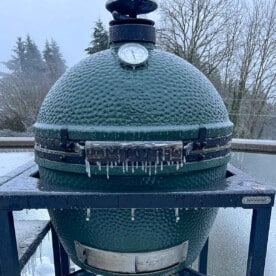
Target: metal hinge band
131, 262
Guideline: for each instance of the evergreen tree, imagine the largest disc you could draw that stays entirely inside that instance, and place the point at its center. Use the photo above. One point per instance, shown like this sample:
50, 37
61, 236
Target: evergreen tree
23, 89
99, 39
34, 62
18, 61
54, 60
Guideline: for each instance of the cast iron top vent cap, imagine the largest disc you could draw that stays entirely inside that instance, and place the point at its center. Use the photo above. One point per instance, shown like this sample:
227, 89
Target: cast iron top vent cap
126, 26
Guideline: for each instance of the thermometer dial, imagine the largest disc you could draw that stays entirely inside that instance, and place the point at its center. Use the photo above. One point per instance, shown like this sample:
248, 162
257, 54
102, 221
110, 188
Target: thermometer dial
133, 54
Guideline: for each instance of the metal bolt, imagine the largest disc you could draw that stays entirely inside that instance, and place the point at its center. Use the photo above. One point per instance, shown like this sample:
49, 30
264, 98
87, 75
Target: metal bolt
62, 157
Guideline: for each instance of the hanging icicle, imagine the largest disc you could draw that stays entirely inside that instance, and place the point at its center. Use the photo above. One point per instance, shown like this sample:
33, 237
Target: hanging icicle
177, 218
132, 214
88, 214
88, 168
107, 170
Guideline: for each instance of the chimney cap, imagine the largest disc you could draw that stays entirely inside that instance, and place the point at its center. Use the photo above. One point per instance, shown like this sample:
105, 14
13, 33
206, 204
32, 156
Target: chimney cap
132, 8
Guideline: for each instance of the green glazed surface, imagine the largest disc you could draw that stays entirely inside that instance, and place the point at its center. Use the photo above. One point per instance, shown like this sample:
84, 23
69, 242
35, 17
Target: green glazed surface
101, 99
113, 230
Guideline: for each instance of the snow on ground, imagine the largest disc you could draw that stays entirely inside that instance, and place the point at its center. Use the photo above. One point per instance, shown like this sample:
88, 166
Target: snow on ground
45, 268
11, 160
41, 263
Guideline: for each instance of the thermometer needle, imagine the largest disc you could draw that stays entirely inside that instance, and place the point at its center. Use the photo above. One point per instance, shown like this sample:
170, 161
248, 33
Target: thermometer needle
133, 54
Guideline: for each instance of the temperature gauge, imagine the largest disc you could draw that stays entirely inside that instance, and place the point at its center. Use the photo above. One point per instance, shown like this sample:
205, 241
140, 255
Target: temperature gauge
133, 54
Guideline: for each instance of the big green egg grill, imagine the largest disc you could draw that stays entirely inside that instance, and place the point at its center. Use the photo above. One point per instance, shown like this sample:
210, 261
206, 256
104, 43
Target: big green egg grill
129, 119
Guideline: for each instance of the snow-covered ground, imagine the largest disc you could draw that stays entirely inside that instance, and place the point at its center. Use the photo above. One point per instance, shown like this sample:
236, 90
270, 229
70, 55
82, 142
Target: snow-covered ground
41, 264
229, 236
11, 160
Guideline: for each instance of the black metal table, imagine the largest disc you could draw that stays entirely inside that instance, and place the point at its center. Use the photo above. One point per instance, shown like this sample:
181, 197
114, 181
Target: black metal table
19, 190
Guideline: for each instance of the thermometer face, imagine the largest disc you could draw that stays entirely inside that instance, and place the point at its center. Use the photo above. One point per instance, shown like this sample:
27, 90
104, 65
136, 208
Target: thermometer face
133, 54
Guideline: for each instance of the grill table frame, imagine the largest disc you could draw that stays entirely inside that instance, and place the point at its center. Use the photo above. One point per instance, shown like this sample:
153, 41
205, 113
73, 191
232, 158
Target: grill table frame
19, 190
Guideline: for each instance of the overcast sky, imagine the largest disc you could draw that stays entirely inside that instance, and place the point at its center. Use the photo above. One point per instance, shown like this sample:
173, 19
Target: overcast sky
69, 22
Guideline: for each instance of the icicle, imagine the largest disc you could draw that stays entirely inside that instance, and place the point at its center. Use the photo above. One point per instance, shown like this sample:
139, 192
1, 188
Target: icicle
132, 214
177, 165
99, 166
177, 218
123, 165
143, 166
137, 165
88, 168
116, 164
146, 164
119, 158
111, 165
33, 264
132, 167
40, 252
162, 166
88, 214
157, 157
184, 160
149, 168
126, 166
107, 170
155, 168
163, 155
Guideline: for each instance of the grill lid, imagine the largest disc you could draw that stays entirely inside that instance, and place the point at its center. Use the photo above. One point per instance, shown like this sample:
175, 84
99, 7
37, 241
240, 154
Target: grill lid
160, 117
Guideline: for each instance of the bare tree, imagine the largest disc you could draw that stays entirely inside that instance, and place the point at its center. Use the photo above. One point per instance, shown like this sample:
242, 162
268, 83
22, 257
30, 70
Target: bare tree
233, 43
253, 69
195, 30
21, 99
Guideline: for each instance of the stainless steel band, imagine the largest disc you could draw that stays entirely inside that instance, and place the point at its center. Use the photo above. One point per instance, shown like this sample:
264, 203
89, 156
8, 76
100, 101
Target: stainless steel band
131, 262
137, 152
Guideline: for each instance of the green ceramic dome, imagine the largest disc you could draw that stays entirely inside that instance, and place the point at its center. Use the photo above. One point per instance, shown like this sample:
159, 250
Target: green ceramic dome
101, 99
100, 96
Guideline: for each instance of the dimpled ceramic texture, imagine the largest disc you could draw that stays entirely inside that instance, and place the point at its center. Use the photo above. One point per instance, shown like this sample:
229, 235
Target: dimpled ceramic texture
99, 92
101, 99
113, 230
